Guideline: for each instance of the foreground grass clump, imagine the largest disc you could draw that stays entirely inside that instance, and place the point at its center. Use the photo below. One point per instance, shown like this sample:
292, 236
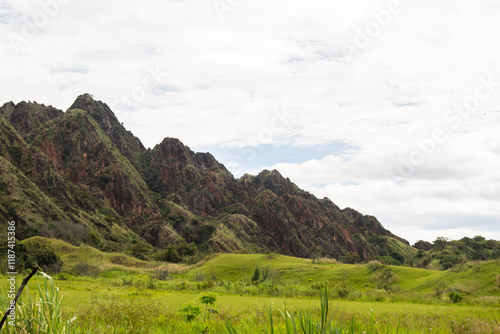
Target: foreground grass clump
41, 313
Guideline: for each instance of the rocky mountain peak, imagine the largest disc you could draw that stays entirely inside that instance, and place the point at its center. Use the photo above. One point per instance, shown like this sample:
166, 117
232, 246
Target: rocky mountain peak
28, 116
174, 149
274, 181
128, 144
100, 112
7, 109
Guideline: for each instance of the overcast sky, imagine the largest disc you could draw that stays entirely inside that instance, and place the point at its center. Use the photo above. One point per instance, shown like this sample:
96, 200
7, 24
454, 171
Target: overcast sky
378, 105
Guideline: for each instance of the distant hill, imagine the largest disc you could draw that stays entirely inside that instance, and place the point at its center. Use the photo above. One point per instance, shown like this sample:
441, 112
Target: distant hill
80, 176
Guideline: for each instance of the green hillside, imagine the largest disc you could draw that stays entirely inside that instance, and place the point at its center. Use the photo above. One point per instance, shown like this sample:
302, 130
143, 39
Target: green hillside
104, 289
478, 277
473, 278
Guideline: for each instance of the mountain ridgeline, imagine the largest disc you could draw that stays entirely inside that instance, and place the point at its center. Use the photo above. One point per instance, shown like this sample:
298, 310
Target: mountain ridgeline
81, 176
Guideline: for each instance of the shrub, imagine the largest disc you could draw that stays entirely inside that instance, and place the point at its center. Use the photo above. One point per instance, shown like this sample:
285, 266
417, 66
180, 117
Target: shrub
375, 265
140, 251
351, 258
189, 311
85, 269
342, 290
266, 274
449, 260
169, 254
127, 280
160, 273
384, 279
398, 258
63, 276
118, 259
256, 274
152, 284
455, 297
208, 284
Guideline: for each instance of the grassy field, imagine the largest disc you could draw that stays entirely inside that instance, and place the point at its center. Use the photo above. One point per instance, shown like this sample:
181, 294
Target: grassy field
115, 293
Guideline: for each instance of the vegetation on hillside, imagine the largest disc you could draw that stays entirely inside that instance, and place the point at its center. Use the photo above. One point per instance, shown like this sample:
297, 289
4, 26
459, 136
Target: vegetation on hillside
445, 254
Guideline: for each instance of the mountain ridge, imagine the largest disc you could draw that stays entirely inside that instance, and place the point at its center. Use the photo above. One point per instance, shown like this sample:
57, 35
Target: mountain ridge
122, 193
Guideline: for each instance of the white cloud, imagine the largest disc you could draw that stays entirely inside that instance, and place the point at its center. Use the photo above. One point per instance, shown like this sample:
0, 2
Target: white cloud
223, 81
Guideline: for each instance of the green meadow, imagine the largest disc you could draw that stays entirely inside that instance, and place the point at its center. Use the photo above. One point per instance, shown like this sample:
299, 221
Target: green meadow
97, 292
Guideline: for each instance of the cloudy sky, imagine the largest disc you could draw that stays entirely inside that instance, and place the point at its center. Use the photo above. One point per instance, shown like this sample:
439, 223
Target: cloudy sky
378, 105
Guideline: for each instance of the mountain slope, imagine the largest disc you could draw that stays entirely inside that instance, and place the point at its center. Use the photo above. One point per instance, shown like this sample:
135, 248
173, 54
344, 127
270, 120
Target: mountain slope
79, 149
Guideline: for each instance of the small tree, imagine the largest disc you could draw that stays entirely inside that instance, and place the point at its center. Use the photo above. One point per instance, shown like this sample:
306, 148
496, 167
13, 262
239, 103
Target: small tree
207, 298
440, 243
33, 255
440, 287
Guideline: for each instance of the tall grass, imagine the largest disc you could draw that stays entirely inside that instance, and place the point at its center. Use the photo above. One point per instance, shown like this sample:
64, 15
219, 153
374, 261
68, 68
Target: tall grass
320, 321
41, 313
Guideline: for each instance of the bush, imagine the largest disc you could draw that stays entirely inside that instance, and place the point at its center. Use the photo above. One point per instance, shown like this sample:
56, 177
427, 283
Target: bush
448, 261
384, 279
398, 258
160, 273
351, 258
455, 297
256, 274
63, 276
388, 260
342, 290
140, 251
34, 254
85, 269
208, 284
189, 311
375, 265
169, 254
177, 253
